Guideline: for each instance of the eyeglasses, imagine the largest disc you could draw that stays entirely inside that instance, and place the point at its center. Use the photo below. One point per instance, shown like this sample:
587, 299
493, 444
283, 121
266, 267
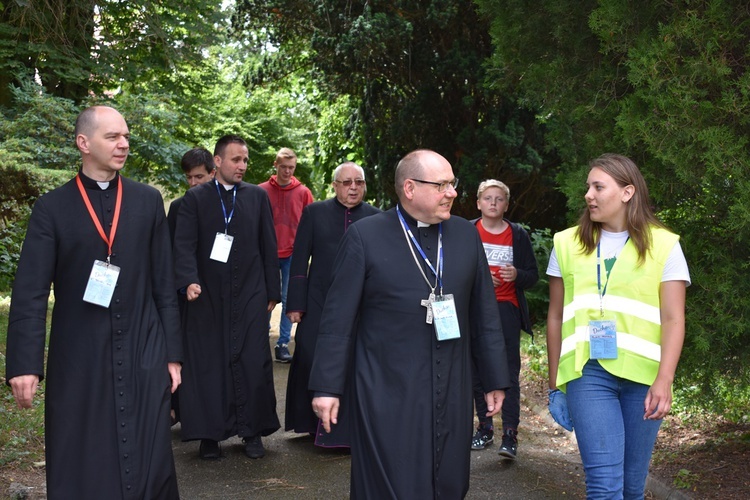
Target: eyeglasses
442, 187
348, 182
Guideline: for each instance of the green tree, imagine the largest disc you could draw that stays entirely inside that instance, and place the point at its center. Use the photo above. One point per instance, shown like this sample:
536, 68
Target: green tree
77, 47
415, 71
666, 84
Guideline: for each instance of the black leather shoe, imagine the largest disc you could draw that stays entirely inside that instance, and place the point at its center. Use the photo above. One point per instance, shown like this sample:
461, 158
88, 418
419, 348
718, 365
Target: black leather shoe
254, 447
209, 449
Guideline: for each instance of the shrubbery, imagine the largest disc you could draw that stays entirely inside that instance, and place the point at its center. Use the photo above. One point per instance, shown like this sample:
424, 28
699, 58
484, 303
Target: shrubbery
22, 184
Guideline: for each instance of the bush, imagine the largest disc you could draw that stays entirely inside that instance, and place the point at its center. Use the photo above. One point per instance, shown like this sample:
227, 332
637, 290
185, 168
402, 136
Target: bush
22, 185
538, 295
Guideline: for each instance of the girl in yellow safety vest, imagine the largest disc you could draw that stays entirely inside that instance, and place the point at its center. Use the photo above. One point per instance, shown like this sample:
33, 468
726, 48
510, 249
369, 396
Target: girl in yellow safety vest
615, 327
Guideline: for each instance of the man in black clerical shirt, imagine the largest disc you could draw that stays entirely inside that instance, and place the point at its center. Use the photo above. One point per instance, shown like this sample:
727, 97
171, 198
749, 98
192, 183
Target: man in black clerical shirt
410, 304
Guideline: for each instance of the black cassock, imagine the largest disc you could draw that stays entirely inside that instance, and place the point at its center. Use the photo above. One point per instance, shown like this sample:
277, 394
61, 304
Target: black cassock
412, 414
321, 227
107, 427
227, 379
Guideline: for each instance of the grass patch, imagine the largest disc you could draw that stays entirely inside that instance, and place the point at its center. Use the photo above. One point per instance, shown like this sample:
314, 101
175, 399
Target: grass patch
21, 431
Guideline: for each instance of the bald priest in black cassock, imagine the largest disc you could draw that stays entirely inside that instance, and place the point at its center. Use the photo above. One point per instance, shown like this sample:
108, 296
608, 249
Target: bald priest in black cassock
107, 427
412, 416
107, 399
227, 378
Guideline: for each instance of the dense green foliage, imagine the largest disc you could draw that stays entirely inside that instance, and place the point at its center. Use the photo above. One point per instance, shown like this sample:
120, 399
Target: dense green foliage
22, 184
415, 76
668, 85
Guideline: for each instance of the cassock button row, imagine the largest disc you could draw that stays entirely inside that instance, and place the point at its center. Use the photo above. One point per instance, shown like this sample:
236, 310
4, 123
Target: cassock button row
119, 377
119, 332
124, 440
119, 362
117, 316
127, 471
437, 346
119, 347
437, 362
438, 376
122, 393
126, 456
122, 408
128, 487
439, 391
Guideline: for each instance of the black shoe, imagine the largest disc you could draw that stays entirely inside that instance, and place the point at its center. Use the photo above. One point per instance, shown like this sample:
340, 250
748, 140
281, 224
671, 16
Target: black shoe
282, 353
209, 449
509, 446
254, 447
483, 438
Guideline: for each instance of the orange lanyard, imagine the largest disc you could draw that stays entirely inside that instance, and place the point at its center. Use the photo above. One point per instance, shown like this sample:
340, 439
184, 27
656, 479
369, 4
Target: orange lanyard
118, 204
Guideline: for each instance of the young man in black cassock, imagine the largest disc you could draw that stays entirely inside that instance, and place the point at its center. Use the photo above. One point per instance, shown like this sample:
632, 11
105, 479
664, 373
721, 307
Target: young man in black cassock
322, 225
226, 264
411, 302
115, 343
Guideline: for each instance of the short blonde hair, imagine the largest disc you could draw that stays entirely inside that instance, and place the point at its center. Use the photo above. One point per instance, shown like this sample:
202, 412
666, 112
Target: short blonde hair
485, 185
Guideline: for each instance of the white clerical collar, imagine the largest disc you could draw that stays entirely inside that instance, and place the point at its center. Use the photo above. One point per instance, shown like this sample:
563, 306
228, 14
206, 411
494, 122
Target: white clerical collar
228, 187
422, 224
103, 185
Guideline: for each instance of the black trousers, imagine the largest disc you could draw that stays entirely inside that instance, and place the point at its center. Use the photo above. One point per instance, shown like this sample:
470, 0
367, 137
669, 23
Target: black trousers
510, 317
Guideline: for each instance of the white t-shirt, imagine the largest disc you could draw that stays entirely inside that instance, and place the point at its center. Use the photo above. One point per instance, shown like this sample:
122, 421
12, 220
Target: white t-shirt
675, 269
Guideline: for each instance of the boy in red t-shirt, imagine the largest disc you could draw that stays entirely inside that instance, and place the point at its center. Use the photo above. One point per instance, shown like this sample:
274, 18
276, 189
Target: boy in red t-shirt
513, 268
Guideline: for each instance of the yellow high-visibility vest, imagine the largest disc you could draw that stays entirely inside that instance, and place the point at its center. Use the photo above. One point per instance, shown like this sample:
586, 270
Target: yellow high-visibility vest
632, 298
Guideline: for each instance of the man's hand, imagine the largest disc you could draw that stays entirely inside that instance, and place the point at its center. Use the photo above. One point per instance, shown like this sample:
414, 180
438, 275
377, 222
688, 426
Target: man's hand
193, 291
494, 402
327, 410
294, 316
175, 373
271, 305
24, 387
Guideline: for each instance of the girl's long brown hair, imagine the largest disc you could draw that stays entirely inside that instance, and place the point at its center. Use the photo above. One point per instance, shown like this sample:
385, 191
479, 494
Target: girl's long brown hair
640, 216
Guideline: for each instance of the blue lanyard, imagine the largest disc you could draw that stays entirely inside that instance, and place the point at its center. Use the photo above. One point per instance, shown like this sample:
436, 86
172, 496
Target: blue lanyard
439, 273
599, 275
227, 218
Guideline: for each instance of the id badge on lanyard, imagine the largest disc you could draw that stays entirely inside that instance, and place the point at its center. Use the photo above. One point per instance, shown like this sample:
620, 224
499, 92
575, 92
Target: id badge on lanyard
223, 241
103, 278
603, 339
222, 247
603, 330
445, 318
101, 284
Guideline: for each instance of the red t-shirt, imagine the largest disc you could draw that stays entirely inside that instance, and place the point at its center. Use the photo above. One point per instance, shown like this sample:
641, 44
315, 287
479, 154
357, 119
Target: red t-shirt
499, 251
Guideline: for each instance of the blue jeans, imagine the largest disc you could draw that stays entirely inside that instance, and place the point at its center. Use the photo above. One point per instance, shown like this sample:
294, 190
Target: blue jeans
614, 440
285, 326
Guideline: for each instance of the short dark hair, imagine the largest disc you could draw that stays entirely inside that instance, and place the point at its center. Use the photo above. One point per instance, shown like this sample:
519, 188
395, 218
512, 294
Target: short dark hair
226, 140
196, 157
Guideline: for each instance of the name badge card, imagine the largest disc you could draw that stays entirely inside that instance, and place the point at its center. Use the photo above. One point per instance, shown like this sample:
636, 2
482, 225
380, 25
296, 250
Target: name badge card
222, 247
445, 318
603, 339
101, 284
